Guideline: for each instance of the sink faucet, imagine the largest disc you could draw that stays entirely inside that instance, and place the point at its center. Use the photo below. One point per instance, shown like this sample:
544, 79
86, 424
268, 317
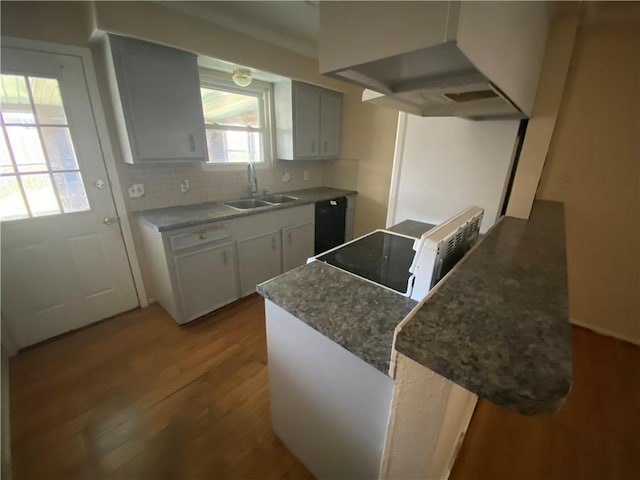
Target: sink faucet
252, 180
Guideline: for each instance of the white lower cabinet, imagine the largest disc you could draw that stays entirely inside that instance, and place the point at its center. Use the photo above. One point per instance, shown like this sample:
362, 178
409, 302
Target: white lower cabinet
206, 279
297, 245
199, 269
258, 260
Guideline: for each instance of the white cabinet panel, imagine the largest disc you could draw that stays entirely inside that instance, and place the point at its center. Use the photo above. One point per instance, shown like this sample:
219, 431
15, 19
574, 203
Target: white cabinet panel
259, 260
206, 279
306, 102
297, 245
308, 121
328, 406
156, 95
330, 124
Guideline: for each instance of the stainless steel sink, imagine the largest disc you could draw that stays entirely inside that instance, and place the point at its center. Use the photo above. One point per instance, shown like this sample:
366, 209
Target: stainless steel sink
247, 204
278, 199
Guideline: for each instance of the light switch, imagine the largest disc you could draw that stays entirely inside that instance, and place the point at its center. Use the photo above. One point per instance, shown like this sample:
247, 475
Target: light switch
306, 175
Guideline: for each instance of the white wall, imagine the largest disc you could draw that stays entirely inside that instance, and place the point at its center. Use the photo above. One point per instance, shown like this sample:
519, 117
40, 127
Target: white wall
444, 165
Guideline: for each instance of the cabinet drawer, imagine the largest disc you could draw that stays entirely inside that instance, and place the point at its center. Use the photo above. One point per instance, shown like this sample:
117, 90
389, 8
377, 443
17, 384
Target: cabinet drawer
201, 236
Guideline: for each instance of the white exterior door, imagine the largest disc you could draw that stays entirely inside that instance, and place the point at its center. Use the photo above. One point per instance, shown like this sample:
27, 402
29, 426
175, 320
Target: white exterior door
63, 262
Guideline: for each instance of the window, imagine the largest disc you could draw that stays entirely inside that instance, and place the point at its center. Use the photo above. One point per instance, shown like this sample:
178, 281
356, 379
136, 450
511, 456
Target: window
237, 119
39, 173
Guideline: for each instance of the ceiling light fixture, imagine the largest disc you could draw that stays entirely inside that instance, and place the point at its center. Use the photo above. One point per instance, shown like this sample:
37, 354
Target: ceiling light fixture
242, 77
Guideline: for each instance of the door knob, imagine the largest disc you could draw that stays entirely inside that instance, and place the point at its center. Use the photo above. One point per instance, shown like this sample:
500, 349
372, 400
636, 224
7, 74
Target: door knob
99, 183
109, 220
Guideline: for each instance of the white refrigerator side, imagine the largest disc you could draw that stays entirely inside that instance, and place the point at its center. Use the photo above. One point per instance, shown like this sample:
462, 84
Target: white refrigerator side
443, 165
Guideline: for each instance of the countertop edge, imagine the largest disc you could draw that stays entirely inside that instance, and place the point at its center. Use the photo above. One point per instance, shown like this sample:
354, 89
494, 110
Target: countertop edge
232, 213
509, 382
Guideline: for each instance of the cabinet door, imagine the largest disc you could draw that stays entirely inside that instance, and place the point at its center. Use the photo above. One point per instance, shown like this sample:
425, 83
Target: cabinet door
206, 279
330, 124
160, 94
306, 118
259, 260
297, 245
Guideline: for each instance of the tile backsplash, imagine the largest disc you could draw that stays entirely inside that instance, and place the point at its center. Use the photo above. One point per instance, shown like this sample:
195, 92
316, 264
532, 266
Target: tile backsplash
162, 182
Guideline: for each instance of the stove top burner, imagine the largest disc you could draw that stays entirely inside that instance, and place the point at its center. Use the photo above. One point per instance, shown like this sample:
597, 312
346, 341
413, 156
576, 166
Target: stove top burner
381, 257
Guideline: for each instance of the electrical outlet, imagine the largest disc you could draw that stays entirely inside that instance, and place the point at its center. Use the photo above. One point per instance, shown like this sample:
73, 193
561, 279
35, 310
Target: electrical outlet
185, 186
286, 177
136, 190
305, 175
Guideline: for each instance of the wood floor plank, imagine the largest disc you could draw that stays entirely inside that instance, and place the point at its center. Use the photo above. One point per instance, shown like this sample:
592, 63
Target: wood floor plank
596, 434
139, 397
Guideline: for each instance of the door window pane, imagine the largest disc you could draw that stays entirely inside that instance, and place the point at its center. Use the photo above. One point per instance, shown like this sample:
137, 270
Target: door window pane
232, 109
26, 148
40, 194
71, 191
47, 100
42, 151
57, 143
5, 160
11, 202
14, 99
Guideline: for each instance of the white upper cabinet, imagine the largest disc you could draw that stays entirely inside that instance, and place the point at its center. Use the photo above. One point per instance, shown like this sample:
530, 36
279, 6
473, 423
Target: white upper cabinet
308, 121
156, 97
470, 59
330, 123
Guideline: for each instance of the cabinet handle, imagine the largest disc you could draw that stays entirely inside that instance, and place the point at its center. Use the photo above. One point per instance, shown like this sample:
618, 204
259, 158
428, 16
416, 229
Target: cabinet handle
224, 257
192, 142
202, 236
325, 146
289, 236
273, 243
313, 146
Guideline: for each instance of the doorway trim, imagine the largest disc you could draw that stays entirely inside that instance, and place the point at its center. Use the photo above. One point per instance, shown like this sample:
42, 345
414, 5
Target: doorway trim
106, 148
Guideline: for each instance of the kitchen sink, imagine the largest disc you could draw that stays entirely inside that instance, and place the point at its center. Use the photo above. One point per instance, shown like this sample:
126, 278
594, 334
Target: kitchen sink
247, 204
278, 199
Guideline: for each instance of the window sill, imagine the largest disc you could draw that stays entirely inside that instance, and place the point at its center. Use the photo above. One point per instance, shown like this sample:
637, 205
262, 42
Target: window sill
233, 167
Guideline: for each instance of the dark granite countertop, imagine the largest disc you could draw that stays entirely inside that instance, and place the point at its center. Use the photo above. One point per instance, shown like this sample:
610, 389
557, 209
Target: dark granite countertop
498, 325
411, 228
171, 218
356, 314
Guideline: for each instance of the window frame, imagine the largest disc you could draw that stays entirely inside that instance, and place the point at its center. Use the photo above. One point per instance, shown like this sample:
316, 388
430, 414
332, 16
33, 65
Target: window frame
217, 80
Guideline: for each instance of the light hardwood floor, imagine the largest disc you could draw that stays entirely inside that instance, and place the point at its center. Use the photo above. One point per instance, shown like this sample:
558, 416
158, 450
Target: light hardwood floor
596, 434
139, 397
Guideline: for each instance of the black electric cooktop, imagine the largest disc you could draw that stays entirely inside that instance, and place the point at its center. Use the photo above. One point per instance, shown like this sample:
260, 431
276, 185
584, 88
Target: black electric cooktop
382, 257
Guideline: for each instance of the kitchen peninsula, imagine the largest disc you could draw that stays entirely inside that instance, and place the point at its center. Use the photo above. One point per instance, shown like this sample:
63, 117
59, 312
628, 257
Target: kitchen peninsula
363, 379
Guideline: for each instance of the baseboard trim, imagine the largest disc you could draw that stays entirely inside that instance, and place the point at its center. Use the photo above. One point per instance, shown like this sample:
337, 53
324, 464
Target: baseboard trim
606, 332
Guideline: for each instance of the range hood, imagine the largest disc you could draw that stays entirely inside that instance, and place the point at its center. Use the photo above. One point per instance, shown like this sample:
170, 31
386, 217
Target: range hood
467, 59
436, 81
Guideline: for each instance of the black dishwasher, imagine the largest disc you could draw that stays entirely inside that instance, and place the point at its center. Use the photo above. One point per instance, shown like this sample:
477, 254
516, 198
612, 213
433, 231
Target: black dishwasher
330, 223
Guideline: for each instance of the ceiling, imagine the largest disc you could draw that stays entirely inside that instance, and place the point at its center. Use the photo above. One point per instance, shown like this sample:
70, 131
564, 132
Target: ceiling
288, 24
